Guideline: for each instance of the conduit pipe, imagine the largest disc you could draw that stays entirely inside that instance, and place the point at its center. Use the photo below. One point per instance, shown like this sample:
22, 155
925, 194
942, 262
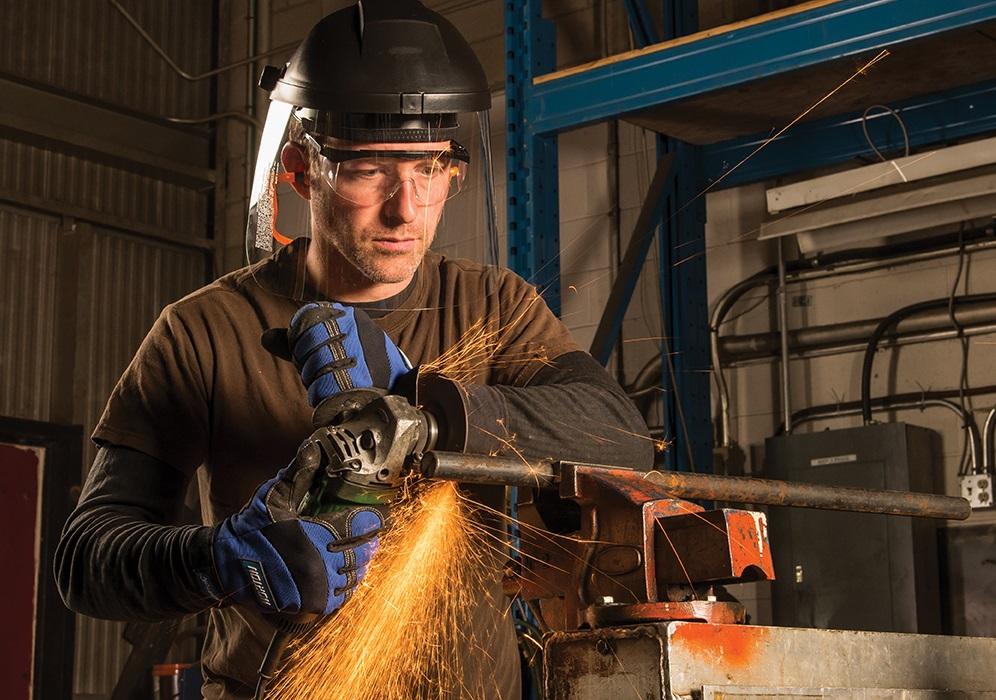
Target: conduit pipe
892, 319
738, 348
989, 446
845, 263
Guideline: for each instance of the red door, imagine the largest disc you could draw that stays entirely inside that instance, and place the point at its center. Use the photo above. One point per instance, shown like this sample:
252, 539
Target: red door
20, 476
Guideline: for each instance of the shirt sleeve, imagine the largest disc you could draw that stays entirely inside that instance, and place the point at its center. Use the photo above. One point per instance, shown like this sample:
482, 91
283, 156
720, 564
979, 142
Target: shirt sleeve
121, 555
160, 404
571, 410
528, 336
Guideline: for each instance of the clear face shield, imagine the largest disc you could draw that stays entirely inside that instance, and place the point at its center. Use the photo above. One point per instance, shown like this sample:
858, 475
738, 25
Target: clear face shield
366, 200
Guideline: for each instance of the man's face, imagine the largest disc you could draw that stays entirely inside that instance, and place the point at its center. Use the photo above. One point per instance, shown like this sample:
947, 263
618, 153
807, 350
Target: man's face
386, 237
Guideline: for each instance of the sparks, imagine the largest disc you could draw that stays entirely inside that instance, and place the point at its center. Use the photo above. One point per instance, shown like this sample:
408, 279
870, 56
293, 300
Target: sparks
408, 630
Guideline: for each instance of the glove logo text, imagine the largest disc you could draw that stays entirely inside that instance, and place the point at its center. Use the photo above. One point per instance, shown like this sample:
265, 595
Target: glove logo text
260, 586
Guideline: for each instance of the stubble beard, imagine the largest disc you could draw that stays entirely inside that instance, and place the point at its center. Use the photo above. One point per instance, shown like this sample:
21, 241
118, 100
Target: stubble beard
380, 267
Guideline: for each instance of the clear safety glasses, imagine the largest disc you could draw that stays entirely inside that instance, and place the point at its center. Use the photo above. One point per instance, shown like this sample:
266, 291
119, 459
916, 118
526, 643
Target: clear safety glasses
371, 177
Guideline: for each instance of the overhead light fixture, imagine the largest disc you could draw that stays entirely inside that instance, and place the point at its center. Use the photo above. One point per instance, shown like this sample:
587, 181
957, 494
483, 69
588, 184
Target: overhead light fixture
921, 192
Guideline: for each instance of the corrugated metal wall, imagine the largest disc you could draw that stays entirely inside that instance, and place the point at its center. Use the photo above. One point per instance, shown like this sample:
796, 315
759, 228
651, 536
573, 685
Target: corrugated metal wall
85, 50
86, 47
124, 283
61, 178
27, 282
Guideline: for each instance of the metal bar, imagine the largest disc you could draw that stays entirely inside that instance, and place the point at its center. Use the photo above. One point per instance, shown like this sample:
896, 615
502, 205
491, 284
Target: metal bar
783, 334
632, 263
476, 469
684, 299
134, 228
140, 145
641, 23
940, 117
500, 470
741, 489
988, 446
764, 344
533, 215
708, 62
843, 349
685, 327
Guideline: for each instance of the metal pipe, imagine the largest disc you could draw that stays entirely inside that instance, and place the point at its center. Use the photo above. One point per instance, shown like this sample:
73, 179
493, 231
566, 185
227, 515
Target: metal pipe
911, 339
854, 408
744, 347
989, 446
742, 489
783, 337
891, 320
840, 264
733, 489
479, 469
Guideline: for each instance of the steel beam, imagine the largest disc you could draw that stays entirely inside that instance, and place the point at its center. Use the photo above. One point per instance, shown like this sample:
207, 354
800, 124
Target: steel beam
533, 193
685, 327
105, 135
641, 23
629, 269
930, 119
686, 404
681, 70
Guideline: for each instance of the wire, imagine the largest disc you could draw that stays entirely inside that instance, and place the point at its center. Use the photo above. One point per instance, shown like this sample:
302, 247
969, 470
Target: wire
757, 302
192, 77
238, 116
902, 126
963, 340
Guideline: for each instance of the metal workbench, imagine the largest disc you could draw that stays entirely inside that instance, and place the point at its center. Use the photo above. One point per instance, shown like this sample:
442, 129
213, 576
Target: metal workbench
685, 660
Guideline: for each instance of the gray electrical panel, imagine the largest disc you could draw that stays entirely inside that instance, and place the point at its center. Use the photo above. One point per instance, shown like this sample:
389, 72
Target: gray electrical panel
856, 571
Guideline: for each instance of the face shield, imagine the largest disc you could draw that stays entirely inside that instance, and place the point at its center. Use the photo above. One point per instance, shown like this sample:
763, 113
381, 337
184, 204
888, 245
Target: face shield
360, 190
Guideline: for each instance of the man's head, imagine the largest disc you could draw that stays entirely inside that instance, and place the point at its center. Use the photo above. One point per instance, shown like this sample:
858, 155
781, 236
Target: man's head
376, 93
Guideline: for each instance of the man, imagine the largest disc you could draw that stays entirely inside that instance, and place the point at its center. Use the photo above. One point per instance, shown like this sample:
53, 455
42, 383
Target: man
373, 94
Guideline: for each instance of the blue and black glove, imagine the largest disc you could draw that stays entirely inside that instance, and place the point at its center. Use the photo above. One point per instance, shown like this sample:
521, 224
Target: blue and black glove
337, 348
271, 557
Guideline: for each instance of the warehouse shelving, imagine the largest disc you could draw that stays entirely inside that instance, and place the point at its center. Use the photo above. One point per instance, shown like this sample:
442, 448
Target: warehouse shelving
718, 94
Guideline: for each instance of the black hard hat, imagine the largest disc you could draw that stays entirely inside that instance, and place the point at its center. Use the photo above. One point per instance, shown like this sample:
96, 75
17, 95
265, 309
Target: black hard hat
381, 70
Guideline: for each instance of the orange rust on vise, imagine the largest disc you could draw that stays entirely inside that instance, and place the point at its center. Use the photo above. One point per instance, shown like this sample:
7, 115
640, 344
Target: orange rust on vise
731, 646
748, 536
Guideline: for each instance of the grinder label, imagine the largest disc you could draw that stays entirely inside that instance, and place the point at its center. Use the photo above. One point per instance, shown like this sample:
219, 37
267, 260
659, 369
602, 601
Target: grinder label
260, 586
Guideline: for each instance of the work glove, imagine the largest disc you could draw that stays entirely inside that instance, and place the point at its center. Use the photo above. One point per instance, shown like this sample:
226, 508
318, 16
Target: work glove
271, 557
337, 348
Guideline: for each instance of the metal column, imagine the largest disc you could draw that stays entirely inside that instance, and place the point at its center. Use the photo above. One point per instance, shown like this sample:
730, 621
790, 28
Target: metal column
533, 206
686, 412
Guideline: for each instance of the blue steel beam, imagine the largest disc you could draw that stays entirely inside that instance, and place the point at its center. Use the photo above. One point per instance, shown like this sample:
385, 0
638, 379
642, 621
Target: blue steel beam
641, 23
531, 158
628, 274
652, 77
686, 362
931, 119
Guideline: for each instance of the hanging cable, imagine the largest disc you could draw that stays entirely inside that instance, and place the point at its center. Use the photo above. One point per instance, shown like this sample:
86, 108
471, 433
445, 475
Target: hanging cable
193, 77
963, 340
890, 321
902, 126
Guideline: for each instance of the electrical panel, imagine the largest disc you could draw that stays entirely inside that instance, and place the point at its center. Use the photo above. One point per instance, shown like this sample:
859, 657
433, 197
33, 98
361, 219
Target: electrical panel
857, 571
